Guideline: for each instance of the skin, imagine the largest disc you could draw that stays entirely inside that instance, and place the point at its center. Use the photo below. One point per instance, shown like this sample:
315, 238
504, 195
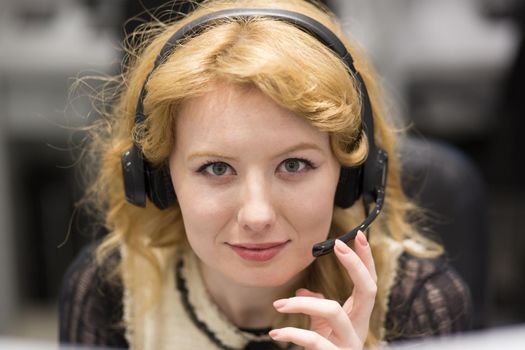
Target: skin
249, 172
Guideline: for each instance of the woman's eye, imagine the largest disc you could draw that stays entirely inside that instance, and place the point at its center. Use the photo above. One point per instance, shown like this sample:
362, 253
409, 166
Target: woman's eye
216, 169
295, 165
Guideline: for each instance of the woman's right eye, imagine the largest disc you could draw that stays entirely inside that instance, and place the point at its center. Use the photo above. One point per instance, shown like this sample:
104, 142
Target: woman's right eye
216, 169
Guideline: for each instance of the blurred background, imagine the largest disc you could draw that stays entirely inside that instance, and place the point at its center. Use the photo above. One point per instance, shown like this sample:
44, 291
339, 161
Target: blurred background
453, 71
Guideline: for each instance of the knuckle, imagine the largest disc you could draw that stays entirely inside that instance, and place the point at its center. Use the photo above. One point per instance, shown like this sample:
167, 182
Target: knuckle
333, 307
312, 341
372, 290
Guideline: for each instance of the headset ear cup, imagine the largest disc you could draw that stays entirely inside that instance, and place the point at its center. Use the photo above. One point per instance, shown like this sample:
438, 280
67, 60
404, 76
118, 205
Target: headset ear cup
160, 188
349, 187
132, 164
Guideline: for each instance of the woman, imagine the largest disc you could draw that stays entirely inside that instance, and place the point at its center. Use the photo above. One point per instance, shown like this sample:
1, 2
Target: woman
240, 140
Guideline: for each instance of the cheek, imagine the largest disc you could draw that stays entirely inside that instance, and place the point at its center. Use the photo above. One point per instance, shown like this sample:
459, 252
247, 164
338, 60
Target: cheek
312, 212
315, 220
202, 223
204, 213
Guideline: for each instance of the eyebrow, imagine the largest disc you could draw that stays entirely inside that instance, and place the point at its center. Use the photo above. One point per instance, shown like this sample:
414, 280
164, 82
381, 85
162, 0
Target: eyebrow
209, 155
298, 147
301, 147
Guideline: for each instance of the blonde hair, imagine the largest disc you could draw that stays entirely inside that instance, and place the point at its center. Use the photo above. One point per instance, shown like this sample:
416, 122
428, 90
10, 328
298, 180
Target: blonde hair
285, 63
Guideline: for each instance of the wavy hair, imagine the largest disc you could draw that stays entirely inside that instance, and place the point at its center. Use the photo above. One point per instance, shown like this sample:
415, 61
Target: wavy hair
285, 63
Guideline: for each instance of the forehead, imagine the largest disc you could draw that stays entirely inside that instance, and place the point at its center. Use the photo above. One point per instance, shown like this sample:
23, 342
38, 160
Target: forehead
237, 115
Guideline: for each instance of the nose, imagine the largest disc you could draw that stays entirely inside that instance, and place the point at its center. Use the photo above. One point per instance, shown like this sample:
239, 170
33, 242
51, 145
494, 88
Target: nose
256, 212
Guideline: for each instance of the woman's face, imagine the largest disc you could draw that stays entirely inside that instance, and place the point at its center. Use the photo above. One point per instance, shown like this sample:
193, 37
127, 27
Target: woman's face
255, 184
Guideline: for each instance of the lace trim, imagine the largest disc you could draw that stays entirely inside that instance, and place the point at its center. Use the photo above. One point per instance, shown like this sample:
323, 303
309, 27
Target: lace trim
197, 305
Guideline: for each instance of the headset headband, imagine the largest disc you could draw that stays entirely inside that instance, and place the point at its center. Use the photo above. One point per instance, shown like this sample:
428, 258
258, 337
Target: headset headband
140, 178
196, 26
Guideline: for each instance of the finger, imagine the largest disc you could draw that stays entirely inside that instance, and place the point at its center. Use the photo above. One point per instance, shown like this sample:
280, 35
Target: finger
359, 306
317, 324
364, 282
308, 339
303, 292
362, 248
329, 310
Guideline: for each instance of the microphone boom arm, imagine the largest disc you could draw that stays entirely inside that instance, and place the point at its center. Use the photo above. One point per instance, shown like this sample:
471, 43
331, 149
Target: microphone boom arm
327, 246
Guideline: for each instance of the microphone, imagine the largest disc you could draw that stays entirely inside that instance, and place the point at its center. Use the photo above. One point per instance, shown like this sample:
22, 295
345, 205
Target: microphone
378, 195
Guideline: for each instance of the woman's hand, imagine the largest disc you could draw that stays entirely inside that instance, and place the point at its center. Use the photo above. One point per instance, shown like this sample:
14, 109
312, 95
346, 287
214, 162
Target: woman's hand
334, 326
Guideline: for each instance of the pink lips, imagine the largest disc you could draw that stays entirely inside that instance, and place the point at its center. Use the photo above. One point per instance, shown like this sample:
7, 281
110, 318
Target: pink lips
258, 252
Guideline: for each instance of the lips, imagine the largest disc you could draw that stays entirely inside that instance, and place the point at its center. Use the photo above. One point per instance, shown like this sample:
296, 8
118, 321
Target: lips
258, 251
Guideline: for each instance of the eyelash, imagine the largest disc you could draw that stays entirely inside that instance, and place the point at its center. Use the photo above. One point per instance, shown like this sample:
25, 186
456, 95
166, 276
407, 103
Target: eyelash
202, 168
307, 163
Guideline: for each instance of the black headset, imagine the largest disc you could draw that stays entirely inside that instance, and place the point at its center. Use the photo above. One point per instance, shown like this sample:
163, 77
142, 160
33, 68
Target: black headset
141, 179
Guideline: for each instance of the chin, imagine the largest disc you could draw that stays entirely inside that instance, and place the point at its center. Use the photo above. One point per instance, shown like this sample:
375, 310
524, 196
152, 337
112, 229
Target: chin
270, 277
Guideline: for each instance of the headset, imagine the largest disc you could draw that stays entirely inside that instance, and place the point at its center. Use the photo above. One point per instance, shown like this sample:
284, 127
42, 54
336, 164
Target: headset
368, 180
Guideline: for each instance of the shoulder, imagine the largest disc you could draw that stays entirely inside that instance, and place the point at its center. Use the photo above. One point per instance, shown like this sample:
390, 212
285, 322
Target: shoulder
428, 298
90, 301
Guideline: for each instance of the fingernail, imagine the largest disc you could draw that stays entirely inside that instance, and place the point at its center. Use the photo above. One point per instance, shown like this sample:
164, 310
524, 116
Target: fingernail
300, 291
274, 333
341, 247
279, 303
361, 238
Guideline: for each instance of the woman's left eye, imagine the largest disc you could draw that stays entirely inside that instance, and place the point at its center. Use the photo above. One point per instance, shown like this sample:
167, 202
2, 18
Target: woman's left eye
295, 165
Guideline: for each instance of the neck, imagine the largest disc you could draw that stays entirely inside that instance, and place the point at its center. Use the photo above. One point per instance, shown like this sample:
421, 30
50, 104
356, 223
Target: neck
245, 306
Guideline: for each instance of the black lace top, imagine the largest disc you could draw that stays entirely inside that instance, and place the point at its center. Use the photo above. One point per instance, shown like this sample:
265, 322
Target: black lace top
428, 299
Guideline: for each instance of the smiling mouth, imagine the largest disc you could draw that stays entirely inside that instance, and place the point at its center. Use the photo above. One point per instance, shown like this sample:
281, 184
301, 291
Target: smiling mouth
258, 251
